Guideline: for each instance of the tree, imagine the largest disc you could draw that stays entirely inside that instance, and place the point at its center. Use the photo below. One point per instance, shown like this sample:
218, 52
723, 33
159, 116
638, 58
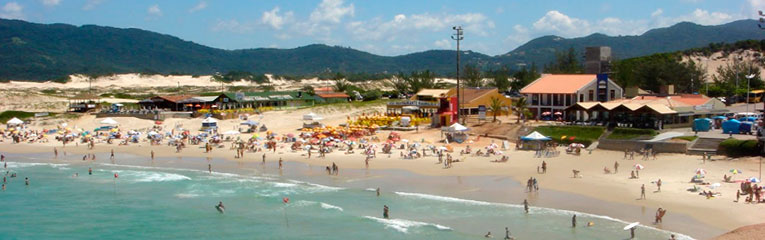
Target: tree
308, 90
565, 62
342, 85
524, 77
500, 80
520, 106
421, 80
736, 72
496, 107
399, 83
473, 76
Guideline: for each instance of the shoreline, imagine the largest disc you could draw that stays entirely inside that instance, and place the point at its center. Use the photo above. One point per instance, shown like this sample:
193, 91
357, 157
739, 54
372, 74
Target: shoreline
477, 186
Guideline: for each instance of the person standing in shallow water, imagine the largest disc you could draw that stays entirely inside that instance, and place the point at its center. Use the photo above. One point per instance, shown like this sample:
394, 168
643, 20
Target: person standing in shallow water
385, 211
526, 205
573, 221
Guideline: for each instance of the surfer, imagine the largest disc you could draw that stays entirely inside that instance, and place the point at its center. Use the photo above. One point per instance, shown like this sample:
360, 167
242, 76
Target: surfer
526, 205
385, 210
220, 207
488, 235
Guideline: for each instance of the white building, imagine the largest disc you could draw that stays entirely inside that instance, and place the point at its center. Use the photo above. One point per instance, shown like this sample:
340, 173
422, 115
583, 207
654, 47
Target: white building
552, 93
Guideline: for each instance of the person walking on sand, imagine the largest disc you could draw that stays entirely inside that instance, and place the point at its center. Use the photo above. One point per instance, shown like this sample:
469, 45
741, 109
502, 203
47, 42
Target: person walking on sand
642, 191
152, 154
526, 206
55, 152
544, 167
264, 158
573, 221
658, 185
616, 167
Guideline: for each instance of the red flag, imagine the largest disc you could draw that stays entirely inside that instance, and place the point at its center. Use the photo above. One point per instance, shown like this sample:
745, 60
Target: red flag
115, 175
286, 200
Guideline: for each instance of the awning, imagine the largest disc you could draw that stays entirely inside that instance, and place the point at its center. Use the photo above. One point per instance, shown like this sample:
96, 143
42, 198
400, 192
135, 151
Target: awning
535, 136
210, 120
457, 128
109, 121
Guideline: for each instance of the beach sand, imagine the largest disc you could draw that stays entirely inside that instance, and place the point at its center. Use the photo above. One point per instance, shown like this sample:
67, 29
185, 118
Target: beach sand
719, 214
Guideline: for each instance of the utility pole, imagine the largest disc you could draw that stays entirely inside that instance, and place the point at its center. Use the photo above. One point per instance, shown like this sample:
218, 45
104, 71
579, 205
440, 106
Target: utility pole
458, 37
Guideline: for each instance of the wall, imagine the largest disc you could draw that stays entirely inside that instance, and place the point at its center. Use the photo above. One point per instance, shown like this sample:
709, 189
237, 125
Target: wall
660, 147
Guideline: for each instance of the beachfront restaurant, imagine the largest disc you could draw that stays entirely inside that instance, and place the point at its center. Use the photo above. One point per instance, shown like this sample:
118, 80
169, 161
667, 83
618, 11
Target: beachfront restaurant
441, 104
83, 102
165, 102
277, 100
657, 112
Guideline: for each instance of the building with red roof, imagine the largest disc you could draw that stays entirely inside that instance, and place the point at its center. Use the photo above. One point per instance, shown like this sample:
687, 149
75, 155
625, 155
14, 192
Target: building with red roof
549, 95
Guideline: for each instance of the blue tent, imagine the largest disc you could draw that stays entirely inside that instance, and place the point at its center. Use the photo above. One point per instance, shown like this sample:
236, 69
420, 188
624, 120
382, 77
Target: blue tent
719, 117
702, 125
745, 127
748, 119
731, 126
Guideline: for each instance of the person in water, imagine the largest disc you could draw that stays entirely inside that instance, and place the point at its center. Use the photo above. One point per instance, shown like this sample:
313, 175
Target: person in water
385, 211
209, 168
90, 171
220, 206
488, 235
632, 233
526, 206
573, 221
378, 192
26, 181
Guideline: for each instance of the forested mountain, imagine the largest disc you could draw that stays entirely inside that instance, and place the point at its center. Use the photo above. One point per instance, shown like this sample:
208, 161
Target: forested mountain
37, 52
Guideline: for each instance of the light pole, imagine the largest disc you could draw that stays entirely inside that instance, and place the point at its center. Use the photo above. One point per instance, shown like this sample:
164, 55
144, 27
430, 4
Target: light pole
458, 37
748, 79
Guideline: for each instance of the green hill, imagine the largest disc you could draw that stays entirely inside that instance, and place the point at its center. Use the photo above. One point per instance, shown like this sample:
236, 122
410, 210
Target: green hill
38, 52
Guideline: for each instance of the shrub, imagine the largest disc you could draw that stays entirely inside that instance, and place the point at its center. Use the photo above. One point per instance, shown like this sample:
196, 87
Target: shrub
582, 134
739, 148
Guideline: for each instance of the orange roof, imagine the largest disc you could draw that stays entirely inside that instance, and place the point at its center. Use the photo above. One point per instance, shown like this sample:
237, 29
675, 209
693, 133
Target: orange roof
686, 99
332, 95
559, 83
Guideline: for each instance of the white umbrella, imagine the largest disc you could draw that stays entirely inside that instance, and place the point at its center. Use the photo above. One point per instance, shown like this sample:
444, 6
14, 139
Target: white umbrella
701, 171
109, 121
638, 166
405, 140
714, 185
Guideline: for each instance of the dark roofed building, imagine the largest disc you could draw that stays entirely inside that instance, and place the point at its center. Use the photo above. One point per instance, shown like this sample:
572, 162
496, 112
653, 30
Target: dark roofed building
166, 102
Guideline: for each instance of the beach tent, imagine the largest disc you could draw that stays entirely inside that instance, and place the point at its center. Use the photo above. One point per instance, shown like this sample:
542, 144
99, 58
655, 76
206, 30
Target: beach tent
109, 121
731, 126
702, 125
14, 122
210, 122
535, 136
457, 128
312, 117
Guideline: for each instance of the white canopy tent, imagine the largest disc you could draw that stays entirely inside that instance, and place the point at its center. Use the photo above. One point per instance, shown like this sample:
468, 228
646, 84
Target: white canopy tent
312, 117
14, 122
109, 121
210, 120
535, 136
458, 128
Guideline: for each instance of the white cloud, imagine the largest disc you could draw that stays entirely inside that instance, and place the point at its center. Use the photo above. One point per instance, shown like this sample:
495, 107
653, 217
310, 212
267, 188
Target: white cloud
91, 4
154, 10
557, 22
232, 26
402, 25
443, 44
51, 3
756, 5
12, 10
331, 11
273, 19
656, 13
200, 6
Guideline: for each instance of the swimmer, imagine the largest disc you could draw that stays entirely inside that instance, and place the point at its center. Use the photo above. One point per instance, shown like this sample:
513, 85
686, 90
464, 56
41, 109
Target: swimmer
488, 235
90, 171
385, 210
526, 205
220, 207
378, 192
3, 187
26, 181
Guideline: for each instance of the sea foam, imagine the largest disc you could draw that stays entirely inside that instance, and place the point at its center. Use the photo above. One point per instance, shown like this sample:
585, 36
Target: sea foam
403, 225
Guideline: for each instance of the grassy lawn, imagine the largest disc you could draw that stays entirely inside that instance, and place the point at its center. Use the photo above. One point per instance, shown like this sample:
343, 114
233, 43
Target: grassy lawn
632, 133
582, 134
687, 138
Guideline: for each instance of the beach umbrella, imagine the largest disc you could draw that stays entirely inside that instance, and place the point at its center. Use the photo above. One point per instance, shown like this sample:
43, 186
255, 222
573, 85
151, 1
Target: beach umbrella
753, 180
735, 171
638, 166
701, 171
714, 185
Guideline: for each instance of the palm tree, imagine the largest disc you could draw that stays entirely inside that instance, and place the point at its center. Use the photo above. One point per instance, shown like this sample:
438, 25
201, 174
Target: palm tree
342, 85
496, 108
520, 108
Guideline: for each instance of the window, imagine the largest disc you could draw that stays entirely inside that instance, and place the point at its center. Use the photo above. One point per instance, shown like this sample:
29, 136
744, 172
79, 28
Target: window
590, 95
613, 94
581, 97
548, 99
568, 99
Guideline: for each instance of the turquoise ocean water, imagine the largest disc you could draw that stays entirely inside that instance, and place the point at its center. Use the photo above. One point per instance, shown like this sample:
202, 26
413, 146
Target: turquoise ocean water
167, 203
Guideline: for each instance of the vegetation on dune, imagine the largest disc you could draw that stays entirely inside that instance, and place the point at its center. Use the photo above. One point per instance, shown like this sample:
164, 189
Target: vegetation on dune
8, 115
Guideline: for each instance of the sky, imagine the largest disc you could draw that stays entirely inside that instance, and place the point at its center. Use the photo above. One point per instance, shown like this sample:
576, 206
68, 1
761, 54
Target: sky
389, 27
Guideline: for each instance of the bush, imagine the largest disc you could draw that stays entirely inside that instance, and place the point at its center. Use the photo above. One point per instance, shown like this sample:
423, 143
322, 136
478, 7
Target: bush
8, 115
739, 148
